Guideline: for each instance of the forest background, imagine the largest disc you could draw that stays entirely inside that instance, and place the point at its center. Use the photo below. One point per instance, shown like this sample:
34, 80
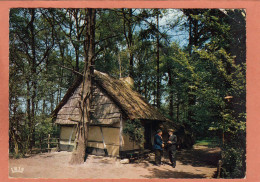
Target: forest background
189, 63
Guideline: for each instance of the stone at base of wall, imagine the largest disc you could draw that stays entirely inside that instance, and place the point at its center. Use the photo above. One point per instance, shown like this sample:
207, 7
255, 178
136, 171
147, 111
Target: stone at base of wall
68, 148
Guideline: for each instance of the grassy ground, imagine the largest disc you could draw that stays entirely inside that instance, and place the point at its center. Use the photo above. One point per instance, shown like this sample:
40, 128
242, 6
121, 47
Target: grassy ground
209, 142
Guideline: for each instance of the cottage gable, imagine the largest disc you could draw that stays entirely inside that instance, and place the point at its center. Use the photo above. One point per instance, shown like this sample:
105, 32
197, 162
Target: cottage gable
105, 111
110, 97
70, 109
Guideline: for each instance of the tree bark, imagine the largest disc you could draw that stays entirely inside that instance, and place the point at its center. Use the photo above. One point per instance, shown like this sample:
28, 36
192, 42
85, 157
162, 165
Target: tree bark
158, 83
34, 82
129, 39
76, 11
178, 109
145, 86
191, 103
61, 49
193, 41
170, 94
190, 36
14, 126
78, 156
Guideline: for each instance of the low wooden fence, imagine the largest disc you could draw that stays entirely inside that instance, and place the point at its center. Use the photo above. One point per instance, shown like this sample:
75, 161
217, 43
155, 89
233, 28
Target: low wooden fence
47, 145
52, 142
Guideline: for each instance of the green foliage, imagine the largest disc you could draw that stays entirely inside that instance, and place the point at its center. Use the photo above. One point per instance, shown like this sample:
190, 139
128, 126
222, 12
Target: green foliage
135, 130
233, 163
17, 156
45, 126
219, 73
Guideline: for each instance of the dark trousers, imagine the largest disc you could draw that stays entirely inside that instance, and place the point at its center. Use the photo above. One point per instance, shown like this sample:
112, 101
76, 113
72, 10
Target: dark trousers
158, 156
172, 157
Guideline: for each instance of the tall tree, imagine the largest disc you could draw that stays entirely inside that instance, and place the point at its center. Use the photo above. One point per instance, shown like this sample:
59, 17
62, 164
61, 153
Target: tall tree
158, 82
128, 32
33, 42
225, 78
79, 153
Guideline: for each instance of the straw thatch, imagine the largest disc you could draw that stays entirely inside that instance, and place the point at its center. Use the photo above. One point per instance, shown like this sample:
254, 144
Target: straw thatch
131, 102
111, 97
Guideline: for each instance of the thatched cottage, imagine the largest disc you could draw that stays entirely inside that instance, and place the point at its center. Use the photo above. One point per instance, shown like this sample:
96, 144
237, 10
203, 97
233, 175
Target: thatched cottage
114, 102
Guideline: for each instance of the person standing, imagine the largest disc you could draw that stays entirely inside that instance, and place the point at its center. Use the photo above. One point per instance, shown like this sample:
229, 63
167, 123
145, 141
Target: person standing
158, 147
172, 141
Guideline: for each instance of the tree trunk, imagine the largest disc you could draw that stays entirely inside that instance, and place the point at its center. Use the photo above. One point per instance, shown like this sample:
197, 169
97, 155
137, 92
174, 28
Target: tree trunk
138, 86
78, 156
52, 101
154, 93
145, 87
61, 48
129, 39
14, 126
43, 106
191, 103
177, 110
193, 41
75, 13
34, 82
190, 35
158, 83
170, 94
120, 66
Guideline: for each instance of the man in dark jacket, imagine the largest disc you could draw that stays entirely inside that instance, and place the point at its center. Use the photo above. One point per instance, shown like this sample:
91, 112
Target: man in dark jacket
158, 145
172, 147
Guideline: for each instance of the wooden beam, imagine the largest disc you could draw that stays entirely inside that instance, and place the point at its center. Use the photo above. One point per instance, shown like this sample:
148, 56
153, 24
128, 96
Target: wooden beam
74, 120
121, 133
105, 148
70, 69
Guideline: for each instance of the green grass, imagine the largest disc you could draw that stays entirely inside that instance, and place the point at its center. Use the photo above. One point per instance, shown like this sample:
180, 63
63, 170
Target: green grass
208, 142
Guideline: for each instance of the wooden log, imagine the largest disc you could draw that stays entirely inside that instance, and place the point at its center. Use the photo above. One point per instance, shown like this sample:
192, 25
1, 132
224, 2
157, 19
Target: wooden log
74, 120
53, 142
51, 139
91, 110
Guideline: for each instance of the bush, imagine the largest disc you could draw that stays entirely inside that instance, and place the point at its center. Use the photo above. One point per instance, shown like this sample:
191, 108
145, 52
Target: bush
135, 130
233, 163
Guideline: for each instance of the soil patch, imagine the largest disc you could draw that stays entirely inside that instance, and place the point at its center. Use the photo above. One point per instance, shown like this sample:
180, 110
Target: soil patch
199, 162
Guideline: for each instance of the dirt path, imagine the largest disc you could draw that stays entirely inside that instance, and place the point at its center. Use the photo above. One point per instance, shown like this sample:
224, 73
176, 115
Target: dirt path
199, 162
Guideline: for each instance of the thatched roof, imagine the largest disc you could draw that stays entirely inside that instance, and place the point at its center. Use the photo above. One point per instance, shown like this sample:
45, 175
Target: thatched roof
128, 100
131, 102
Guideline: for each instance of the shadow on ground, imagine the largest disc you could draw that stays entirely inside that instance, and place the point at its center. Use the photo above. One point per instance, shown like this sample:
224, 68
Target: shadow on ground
162, 173
199, 157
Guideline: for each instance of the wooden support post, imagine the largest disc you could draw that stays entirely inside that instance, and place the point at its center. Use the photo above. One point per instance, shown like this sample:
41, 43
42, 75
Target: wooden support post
41, 143
219, 168
49, 136
57, 146
103, 139
121, 133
